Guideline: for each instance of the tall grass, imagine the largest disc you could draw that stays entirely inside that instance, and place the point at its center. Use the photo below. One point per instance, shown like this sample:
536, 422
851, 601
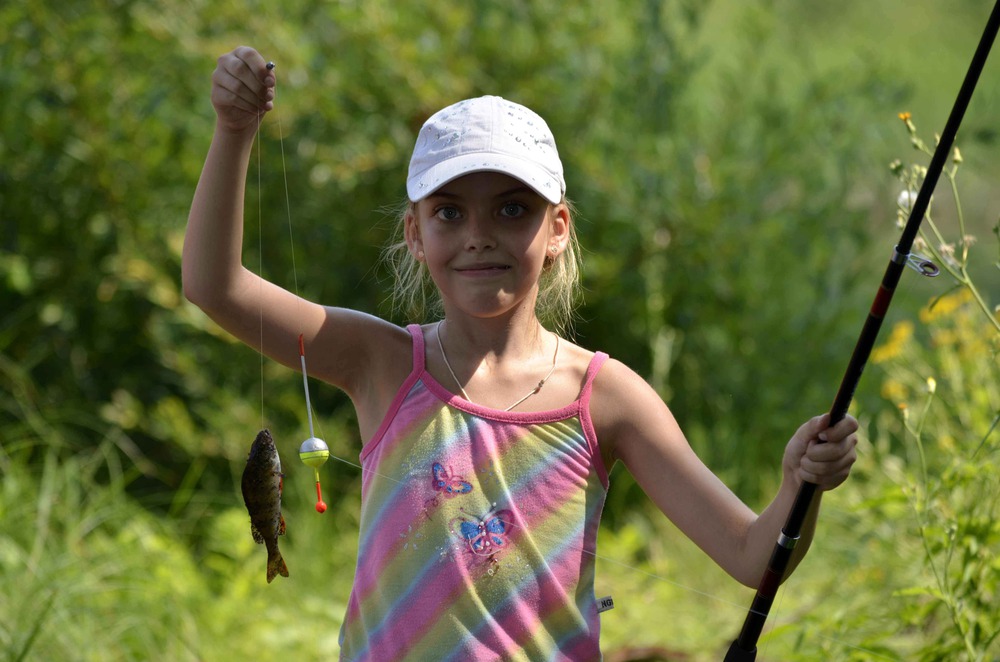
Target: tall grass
87, 573
83, 567
90, 574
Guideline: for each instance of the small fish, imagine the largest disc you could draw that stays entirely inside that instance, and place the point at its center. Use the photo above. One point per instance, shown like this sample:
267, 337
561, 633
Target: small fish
262, 485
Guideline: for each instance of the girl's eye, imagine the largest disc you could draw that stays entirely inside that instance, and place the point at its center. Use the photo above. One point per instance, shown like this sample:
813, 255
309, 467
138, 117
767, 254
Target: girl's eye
513, 209
447, 213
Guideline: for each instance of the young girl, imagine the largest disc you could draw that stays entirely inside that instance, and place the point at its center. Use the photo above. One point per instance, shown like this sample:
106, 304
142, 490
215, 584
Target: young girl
488, 437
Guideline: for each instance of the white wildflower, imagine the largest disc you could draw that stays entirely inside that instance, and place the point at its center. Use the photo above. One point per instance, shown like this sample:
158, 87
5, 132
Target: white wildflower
905, 199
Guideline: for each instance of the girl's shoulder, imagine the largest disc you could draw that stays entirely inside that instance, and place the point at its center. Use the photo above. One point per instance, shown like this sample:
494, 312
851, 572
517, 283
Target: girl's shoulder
611, 378
352, 343
625, 408
578, 368
365, 356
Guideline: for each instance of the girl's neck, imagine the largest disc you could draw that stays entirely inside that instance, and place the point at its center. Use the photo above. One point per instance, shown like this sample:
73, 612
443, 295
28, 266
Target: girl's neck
506, 364
494, 340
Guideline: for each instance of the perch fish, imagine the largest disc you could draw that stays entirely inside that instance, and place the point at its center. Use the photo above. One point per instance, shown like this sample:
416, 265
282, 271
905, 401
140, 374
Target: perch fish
262, 485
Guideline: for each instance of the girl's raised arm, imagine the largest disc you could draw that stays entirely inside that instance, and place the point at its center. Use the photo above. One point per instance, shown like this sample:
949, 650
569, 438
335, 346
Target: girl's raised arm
258, 312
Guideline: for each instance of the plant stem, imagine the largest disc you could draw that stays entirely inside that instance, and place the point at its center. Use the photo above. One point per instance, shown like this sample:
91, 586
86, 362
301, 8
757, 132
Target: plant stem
952, 180
979, 300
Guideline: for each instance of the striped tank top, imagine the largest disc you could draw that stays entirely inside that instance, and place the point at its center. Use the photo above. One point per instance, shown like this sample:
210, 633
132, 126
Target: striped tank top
478, 530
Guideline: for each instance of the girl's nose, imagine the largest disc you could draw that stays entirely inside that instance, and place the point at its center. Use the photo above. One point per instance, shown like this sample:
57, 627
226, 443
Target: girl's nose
480, 236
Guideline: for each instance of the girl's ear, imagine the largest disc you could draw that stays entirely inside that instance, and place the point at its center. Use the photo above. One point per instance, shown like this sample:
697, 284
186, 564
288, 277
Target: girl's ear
560, 222
411, 231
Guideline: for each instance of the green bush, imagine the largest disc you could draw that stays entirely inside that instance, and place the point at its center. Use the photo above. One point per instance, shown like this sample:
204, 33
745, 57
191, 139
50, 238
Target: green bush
720, 173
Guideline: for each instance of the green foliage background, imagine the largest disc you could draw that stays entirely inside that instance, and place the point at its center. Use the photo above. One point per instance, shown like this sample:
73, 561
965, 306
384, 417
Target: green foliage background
730, 166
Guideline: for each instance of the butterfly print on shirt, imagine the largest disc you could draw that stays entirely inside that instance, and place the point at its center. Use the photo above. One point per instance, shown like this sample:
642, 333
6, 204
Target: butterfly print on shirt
447, 484
487, 535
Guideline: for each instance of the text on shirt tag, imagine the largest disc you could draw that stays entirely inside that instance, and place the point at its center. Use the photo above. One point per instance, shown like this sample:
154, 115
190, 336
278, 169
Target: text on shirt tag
604, 604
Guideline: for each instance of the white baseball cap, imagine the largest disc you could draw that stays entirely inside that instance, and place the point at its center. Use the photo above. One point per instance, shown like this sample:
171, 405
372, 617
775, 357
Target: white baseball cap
485, 134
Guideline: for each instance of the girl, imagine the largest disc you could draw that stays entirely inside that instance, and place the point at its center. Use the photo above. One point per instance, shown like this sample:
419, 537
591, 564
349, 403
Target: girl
488, 437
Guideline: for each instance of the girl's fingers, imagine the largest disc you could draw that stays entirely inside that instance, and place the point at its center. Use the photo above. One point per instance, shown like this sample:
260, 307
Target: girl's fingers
847, 426
824, 455
828, 464
238, 78
808, 431
831, 450
249, 67
829, 455
229, 93
243, 82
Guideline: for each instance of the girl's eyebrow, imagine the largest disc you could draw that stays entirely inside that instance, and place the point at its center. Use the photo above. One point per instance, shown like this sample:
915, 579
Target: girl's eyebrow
517, 190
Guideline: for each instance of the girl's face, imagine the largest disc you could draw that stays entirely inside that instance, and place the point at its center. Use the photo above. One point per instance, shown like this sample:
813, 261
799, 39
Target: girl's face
484, 238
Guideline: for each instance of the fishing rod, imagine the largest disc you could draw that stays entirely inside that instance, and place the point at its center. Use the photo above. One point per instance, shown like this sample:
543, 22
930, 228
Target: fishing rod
744, 647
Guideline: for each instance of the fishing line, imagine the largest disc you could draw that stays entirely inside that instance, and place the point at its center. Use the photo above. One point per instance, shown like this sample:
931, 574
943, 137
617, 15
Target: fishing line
319, 452
260, 268
288, 204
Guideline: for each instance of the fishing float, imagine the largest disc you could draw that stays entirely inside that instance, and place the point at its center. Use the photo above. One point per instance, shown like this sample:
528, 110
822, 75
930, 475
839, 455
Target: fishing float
313, 452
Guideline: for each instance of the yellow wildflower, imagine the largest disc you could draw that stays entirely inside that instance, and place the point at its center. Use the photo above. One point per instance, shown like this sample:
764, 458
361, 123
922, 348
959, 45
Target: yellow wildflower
894, 390
945, 306
893, 347
941, 338
908, 122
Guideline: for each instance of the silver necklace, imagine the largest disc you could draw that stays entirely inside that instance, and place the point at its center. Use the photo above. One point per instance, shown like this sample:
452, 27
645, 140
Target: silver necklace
541, 383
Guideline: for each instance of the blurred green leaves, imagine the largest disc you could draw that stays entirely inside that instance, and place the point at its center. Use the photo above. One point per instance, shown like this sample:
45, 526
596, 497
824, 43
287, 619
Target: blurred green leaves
727, 162
719, 250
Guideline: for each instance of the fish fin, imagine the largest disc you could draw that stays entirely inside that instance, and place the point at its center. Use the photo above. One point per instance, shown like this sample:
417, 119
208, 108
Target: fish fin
257, 537
281, 525
276, 566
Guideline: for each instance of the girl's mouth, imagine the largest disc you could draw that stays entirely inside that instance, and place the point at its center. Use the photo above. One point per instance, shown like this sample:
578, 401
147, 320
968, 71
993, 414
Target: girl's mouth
483, 269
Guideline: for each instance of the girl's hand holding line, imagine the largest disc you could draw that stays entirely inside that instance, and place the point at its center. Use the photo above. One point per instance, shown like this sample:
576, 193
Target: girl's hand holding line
242, 90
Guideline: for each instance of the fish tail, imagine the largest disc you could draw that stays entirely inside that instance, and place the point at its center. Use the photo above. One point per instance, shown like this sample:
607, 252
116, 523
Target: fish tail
276, 566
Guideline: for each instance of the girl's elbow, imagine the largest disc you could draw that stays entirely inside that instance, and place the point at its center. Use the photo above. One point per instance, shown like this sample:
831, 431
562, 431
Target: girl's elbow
193, 290
749, 577
756, 575
199, 291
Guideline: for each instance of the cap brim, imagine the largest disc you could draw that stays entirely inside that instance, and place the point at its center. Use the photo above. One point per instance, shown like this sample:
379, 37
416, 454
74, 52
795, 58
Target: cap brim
539, 179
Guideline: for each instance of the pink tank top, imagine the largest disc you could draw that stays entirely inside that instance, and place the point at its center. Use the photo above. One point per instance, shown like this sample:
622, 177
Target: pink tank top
478, 530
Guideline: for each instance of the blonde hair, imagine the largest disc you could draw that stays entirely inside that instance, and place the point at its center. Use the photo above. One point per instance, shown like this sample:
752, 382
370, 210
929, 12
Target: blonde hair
416, 297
